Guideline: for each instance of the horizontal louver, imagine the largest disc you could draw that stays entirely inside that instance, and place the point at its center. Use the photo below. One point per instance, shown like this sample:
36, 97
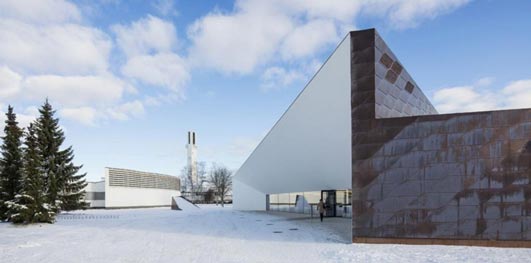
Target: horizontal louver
130, 178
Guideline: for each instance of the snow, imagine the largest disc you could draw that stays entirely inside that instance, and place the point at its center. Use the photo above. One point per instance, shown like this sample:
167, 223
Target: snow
25, 196
184, 204
213, 234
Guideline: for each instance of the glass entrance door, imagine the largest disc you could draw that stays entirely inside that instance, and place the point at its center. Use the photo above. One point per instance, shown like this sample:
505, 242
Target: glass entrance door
329, 199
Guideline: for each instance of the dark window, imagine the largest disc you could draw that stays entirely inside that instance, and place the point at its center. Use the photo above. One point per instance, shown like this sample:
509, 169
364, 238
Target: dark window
386, 60
410, 87
397, 68
95, 195
391, 76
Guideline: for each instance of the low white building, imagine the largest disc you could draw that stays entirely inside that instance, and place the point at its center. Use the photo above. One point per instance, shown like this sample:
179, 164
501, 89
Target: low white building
95, 194
124, 188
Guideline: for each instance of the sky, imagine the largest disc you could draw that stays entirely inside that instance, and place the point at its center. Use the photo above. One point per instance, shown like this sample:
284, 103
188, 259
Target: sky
129, 78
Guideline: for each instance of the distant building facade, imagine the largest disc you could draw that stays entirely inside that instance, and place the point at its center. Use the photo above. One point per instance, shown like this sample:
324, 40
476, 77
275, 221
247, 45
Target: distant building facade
95, 194
124, 188
362, 129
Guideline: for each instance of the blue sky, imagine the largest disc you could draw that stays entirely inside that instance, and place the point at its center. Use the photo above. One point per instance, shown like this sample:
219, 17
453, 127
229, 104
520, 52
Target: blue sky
130, 78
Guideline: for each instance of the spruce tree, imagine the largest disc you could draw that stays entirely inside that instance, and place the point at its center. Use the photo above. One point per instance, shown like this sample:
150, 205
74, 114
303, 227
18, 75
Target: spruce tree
48, 141
11, 166
63, 187
33, 207
72, 184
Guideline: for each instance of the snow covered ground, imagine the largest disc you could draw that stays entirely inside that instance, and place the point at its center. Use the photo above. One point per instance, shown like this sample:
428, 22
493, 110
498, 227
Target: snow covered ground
211, 234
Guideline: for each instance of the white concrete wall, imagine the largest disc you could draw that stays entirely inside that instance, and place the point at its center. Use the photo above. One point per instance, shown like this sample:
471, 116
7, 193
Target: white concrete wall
309, 148
117, 196
245, 197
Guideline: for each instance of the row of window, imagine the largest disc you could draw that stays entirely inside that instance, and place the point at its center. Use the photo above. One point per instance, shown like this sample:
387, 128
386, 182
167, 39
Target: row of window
306, 202
90, 196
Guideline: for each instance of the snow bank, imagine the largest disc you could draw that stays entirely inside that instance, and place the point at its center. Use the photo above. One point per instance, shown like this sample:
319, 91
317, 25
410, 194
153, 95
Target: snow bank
213, 234
180, 203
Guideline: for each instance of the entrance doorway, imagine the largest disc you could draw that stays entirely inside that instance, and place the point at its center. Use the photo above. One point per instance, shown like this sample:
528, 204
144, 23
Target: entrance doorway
337, 202
329, 200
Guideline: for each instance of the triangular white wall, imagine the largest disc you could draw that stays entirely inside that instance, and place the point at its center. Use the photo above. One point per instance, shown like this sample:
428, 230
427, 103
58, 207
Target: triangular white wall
309, 148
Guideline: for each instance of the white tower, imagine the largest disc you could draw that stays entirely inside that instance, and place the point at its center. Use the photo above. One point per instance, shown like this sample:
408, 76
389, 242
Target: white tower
191, 149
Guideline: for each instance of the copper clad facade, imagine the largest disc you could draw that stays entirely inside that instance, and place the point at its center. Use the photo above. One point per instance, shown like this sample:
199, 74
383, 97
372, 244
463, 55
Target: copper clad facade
419, 174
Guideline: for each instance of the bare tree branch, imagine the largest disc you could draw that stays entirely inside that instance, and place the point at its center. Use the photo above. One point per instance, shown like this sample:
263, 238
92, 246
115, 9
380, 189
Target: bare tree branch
221, 178
188, 184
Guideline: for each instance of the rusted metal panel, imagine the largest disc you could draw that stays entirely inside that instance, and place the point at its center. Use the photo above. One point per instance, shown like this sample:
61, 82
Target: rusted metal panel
417, 174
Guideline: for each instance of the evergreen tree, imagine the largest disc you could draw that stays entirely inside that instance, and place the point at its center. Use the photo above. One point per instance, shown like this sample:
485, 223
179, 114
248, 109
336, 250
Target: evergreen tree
72, 184
49, 137
32, 202
11, 166
63, 187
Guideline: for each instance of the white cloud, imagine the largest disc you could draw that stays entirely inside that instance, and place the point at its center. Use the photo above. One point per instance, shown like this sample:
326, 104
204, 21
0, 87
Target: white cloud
165, 7
84, 115
90, 116
477, 97
9, 82
256, 32
463, 99
277, 77
84, 99
152, 101
2, 119
57, 48
26, 116
517, 94
148, 35
24, 120
149, 44
32, 110
304, 40
74, 91
242, 146
47, 51
40, 11
126, 110
238, 42
484, 82
342, 10
163, 69
405, 13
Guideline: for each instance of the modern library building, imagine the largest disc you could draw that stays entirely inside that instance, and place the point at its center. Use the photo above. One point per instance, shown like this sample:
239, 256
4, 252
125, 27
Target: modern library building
363, 137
